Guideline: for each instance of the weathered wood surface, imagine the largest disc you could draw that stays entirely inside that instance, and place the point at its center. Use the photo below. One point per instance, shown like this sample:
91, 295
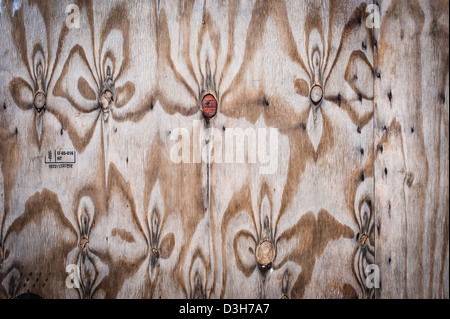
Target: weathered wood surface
411, 147
361, 174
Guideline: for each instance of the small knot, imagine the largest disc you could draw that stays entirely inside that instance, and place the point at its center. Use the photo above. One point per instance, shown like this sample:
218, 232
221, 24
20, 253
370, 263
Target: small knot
84, 241
284, 296
209, 106
155, 252
39, 101
316, 94
409, 179
364, 239
105, 100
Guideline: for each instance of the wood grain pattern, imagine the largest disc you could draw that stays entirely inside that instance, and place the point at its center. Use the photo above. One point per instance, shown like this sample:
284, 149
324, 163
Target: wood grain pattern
361, 122
411, 140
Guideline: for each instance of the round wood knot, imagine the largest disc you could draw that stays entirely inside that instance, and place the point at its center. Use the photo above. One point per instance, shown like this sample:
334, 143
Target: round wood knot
105, 99
84, 241
316, 93
155, 252
364, 239
265, 254
209, 106
39, 101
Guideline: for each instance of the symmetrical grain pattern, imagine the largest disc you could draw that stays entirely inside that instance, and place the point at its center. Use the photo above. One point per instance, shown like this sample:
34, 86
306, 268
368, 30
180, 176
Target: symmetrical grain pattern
338, 157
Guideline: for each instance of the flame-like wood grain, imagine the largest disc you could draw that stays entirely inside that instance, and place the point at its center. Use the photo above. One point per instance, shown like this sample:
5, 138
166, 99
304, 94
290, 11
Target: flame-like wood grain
362, 171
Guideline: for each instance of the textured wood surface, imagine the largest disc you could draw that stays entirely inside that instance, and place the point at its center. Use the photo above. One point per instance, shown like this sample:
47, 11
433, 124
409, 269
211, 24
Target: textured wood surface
359, 116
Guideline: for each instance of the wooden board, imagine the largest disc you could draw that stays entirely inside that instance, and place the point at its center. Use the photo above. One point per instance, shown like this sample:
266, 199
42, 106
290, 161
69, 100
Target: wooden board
411, 146
328, 152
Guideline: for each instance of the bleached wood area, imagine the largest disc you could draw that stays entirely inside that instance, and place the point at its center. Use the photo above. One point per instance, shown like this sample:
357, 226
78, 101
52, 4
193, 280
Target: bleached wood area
355, 107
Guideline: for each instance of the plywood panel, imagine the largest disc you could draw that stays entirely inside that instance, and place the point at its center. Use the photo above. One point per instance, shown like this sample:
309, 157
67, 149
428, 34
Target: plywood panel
344, 143
411, 140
